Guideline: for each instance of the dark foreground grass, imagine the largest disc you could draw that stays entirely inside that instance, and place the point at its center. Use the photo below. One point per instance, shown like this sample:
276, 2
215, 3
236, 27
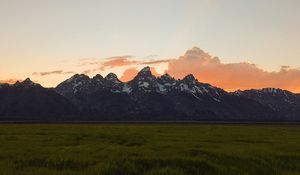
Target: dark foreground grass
149, 149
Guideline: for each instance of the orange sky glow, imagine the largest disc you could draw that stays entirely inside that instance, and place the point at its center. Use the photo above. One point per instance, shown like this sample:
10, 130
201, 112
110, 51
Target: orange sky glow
206, 68
244, 44
230, 76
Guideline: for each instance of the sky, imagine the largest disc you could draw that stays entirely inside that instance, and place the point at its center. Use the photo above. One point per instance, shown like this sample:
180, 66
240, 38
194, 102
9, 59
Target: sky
50, 40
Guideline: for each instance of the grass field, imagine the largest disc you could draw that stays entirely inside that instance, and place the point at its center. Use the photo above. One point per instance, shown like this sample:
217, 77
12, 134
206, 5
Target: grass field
149, 149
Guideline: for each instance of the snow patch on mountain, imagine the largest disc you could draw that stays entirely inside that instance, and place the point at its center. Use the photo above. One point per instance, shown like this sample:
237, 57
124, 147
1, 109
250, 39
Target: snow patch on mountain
127, 89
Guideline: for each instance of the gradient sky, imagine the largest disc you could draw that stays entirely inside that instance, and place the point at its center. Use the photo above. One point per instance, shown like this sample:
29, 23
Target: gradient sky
48, 35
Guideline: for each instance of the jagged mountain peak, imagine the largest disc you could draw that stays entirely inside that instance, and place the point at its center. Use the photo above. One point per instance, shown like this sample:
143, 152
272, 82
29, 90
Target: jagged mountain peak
113, 84
27, 83
98, 77
144, 81
237, 92
80, 76
166, 76
112, 77
190, 78
27, 80
145, 75
77, 78
272, 90
147, 96
277, 99
146, 71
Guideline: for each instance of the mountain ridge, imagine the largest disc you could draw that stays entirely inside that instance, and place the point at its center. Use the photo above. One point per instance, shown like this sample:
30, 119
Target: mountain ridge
150, 98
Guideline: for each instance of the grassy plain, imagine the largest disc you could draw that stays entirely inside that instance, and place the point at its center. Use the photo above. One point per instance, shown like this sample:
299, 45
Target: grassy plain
149, 149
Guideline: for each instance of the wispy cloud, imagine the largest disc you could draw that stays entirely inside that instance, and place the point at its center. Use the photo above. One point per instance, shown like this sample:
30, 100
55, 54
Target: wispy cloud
52, 72
89, 71
117, 61
156, 61
119, 57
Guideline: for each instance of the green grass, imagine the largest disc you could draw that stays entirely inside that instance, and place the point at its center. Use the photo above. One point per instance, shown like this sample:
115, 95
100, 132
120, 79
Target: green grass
149, 149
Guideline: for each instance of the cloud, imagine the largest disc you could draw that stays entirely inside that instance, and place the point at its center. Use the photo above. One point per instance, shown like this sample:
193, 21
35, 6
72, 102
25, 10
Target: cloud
86, 72
151, 56
119, 57
88, 63
51, 73
130, 73
9, 81
156, 61
117, 62
107, 63
69, 72
232, 76
89, 71
120, 61
209, 69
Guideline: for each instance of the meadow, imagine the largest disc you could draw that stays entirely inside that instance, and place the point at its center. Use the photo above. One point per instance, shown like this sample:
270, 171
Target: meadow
149, 149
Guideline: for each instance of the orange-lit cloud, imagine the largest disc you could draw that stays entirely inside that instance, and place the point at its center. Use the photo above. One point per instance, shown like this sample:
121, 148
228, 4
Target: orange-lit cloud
130, 73
126, 61
232, 76
206, 68
117, 62
9, 81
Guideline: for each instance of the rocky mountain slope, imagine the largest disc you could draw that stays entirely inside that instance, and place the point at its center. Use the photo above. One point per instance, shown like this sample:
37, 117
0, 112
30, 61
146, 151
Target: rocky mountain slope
147, 97
144, 98
286, 103
28, 101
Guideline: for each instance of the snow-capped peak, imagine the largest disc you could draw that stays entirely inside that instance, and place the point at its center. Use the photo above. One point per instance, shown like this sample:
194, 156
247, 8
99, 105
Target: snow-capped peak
237, 92
166, 76
167, 80
145, 75
271, 90
112, 77
146, 71
113, 83
190, 78
78, 77
97, 78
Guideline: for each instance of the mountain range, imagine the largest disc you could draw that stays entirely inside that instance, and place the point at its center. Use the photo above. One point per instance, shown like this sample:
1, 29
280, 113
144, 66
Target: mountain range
144, 98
